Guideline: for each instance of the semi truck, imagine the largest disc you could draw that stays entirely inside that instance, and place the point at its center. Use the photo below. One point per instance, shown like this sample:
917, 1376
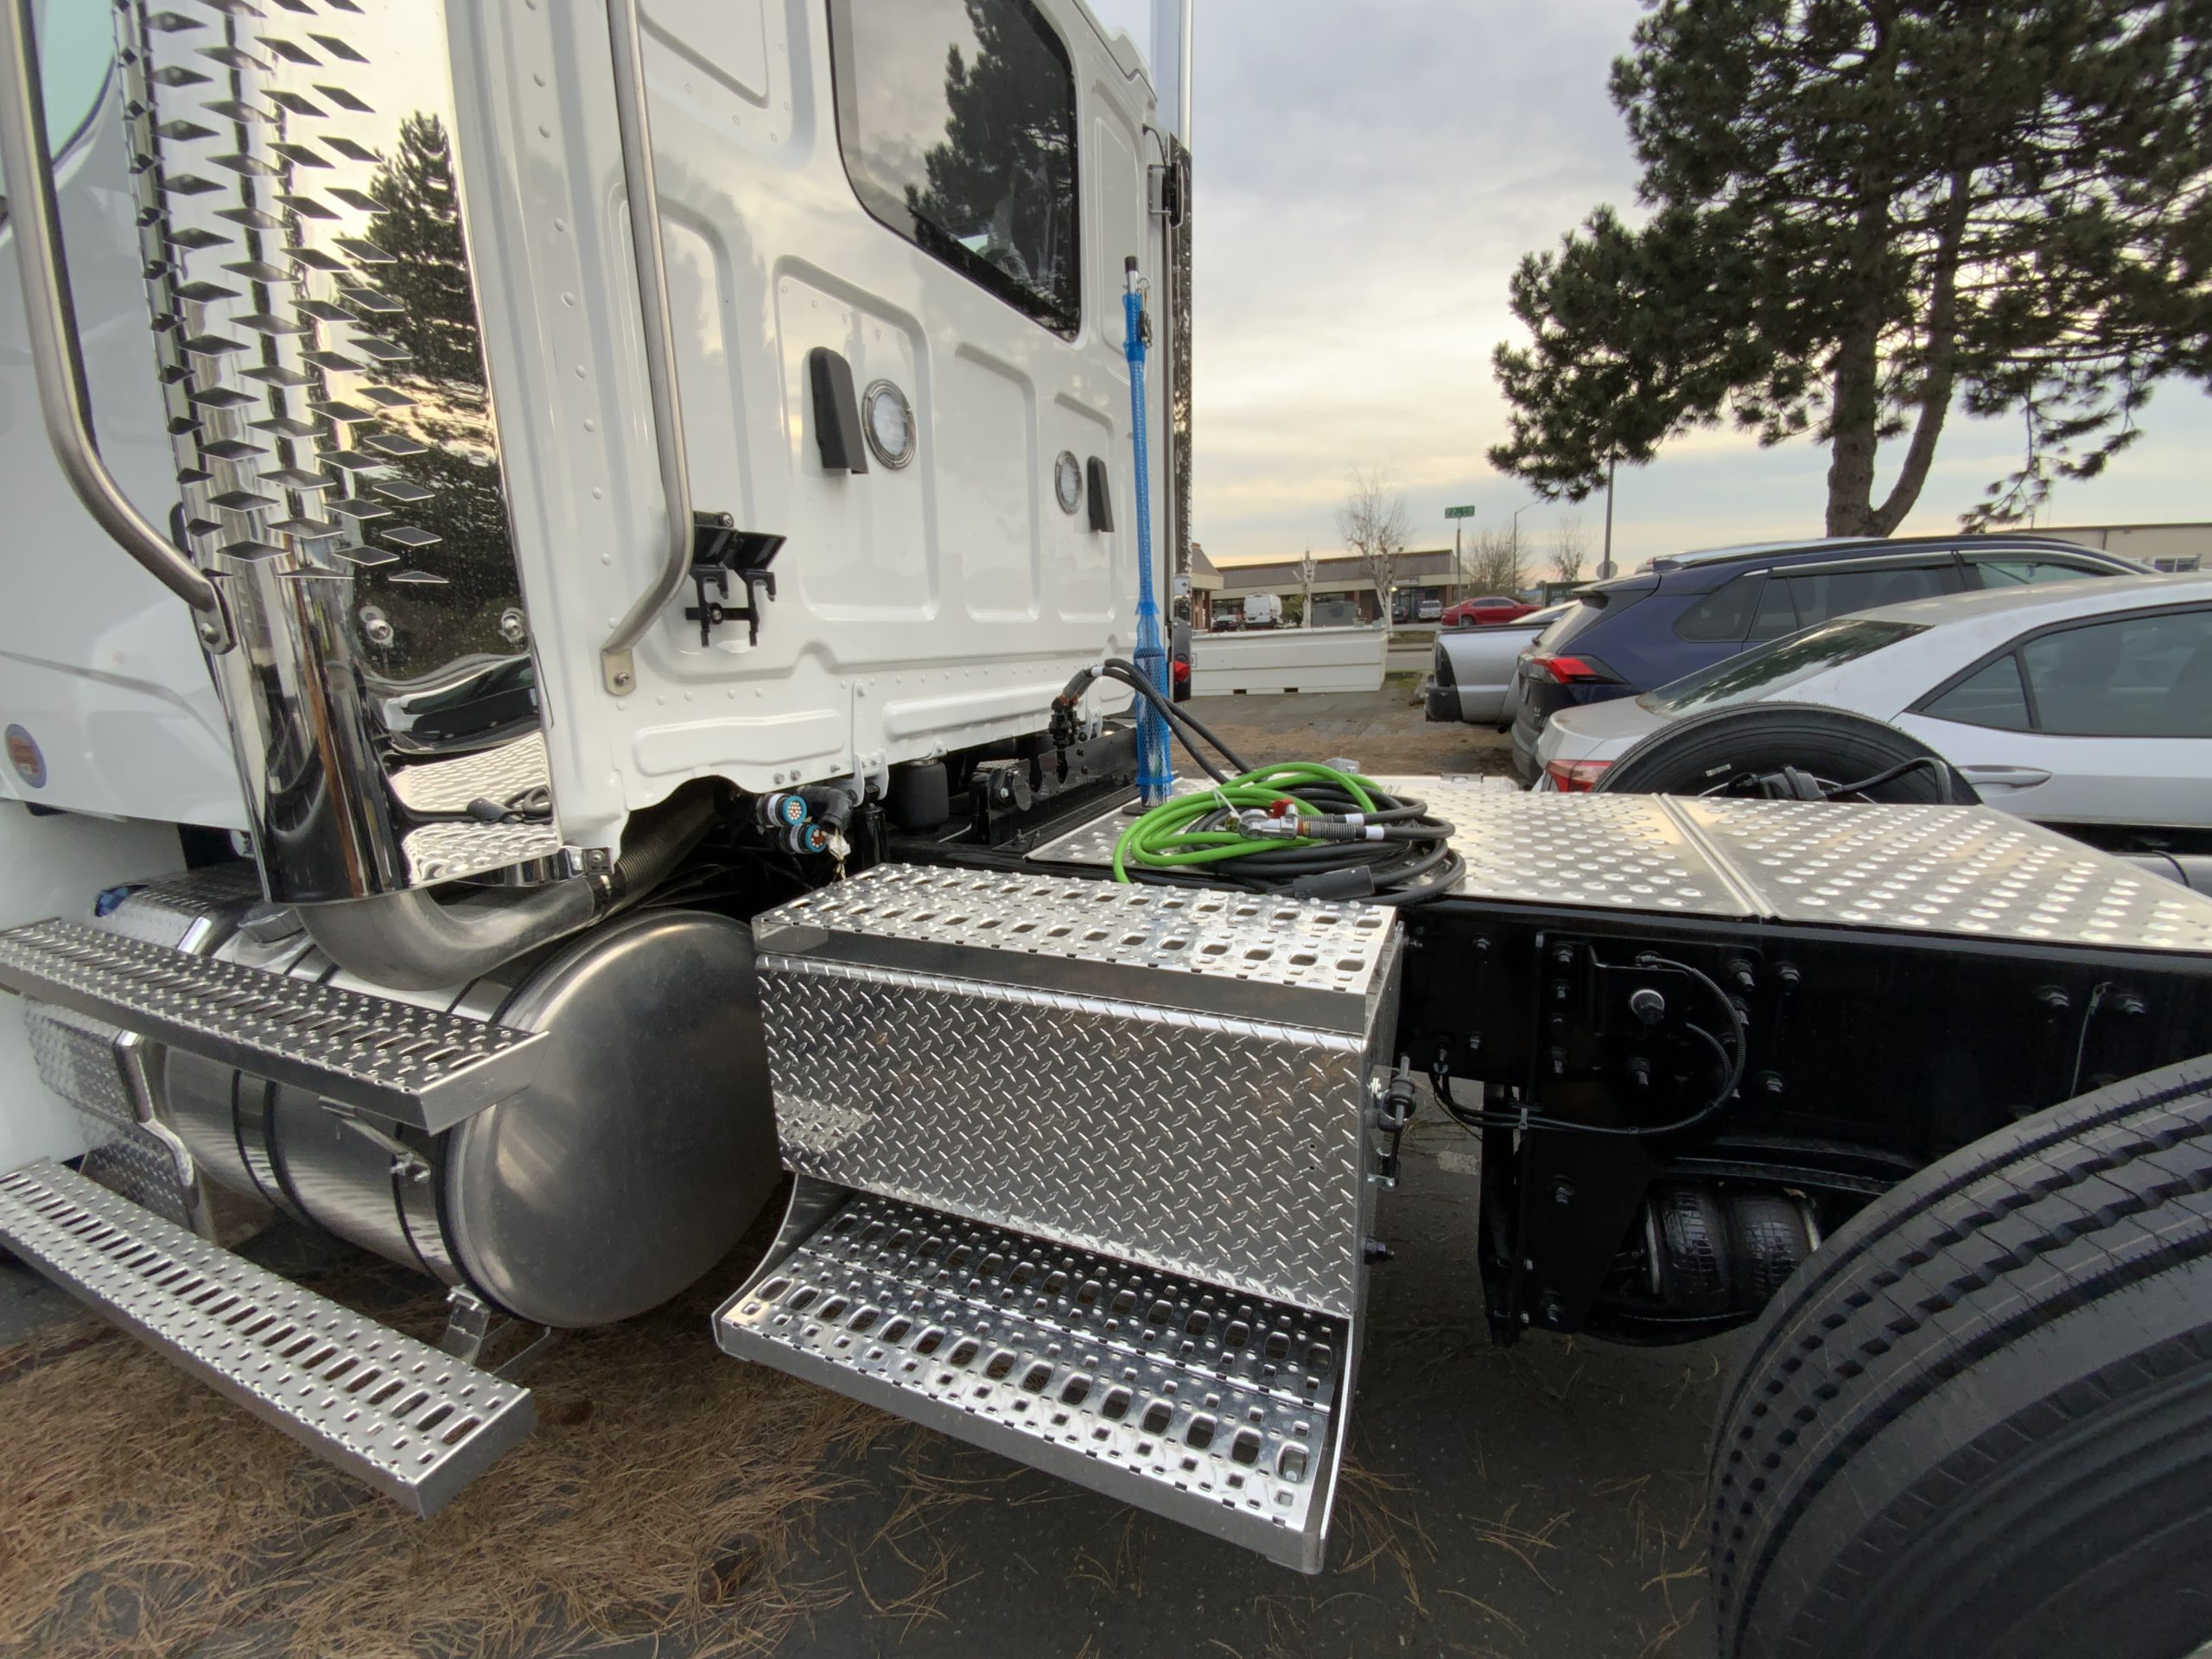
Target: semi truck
573, 573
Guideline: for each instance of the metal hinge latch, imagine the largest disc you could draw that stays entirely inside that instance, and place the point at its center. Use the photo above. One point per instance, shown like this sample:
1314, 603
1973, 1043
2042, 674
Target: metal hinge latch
719, 551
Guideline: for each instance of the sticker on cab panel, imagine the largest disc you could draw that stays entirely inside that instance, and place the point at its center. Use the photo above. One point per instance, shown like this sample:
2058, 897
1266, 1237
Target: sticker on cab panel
23, 754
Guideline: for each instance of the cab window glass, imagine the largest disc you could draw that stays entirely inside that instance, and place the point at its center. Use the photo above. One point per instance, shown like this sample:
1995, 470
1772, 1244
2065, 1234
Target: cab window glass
2136, 677
957, 120
1723, 614
76, 47
1994, 697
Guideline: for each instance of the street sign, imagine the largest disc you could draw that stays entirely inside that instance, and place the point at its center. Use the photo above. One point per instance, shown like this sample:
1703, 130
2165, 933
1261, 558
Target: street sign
1458, 512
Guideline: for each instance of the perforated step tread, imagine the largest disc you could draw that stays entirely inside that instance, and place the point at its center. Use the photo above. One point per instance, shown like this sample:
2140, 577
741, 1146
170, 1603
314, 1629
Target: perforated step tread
415, 1423
420, 1066
1209, 1406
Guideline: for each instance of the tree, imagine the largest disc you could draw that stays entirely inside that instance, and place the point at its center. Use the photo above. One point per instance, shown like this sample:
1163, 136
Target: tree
417, 222
1377, 527
1863, 212
1307, 568
1497, 564
1001, 181
1570, 547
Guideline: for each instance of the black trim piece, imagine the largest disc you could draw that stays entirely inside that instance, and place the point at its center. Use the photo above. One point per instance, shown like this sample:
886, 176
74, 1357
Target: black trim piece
1100, 493
837, 412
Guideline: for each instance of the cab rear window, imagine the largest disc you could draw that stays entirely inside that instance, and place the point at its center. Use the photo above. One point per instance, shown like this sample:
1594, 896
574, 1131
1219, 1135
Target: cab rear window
958, 121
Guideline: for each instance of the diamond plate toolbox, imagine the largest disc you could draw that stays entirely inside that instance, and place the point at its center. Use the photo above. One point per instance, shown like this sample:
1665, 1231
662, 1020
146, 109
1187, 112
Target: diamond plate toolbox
1175, 1077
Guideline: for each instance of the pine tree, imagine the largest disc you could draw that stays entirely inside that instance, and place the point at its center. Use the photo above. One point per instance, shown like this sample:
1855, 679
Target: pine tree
1001, 179
1866, 211
419, 225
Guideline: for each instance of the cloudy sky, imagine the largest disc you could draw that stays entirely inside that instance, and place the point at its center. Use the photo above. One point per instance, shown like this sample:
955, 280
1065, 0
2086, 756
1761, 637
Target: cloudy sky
1369, 173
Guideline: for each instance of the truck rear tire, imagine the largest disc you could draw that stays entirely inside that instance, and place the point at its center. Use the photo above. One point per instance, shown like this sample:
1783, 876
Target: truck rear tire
1700, 755
1979, 1422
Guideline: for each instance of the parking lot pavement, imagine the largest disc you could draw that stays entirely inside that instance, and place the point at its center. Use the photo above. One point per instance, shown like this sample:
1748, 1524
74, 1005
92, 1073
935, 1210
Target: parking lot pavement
1385, 731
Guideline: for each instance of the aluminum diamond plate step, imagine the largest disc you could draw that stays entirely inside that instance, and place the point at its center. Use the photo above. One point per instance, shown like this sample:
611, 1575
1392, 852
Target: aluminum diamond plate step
420, 1066
417, 1424
1215, 1409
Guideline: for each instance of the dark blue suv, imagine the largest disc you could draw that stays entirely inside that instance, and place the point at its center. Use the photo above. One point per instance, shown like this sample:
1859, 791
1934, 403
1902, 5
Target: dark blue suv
1691, 610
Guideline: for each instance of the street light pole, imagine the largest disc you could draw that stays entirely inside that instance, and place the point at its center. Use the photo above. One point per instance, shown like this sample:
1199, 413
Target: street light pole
1517, 511
1605, 559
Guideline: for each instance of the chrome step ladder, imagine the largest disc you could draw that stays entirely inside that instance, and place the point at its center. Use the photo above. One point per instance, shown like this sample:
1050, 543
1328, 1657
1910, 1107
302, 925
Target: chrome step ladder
1084, 1173
411, 1422
418, 1066
1221, 1410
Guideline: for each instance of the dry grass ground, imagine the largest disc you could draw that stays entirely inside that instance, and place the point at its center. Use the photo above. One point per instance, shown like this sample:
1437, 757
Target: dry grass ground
140, 1514
1524, 1503
1385, 731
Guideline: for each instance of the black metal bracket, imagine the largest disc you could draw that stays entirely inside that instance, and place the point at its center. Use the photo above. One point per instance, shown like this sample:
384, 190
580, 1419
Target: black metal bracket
719, 551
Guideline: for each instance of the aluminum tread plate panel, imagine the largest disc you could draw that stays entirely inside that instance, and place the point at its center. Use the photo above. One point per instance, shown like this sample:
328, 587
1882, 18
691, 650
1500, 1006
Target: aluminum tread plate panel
1968, 870
1611, 852
1945, 870
1212, 1409
417, 1424
1024, 1108
419, 1066
168, 910
75, 1056
1143, 1124
1288, 960
134, 1164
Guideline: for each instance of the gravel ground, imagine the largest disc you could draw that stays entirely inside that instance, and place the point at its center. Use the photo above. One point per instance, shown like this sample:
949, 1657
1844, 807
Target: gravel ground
1383, 730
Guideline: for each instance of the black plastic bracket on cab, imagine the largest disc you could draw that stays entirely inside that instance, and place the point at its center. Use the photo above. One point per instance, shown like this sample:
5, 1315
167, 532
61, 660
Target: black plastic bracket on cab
1101, 495
837, 412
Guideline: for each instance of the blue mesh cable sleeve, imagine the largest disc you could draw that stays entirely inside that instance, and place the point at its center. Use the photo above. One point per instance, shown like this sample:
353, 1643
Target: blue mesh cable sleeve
1155, 776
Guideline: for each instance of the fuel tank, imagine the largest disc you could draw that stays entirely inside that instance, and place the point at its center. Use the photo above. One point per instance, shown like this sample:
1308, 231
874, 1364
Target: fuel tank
633, 1161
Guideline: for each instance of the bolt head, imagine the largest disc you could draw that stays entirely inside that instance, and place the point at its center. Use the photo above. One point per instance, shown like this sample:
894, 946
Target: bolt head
622, 679
513, 627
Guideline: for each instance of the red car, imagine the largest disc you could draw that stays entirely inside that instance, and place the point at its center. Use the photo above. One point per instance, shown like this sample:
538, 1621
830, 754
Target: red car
1482, 613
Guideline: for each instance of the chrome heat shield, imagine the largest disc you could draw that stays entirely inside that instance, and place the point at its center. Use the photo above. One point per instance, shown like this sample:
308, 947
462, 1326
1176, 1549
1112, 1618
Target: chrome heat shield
301, 193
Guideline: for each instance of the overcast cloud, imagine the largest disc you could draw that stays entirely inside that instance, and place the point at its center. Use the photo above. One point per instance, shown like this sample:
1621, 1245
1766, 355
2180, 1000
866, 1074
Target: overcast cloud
1369, 173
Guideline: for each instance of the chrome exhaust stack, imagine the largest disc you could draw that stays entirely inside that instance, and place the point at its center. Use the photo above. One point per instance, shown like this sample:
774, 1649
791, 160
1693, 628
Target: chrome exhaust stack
344, 535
